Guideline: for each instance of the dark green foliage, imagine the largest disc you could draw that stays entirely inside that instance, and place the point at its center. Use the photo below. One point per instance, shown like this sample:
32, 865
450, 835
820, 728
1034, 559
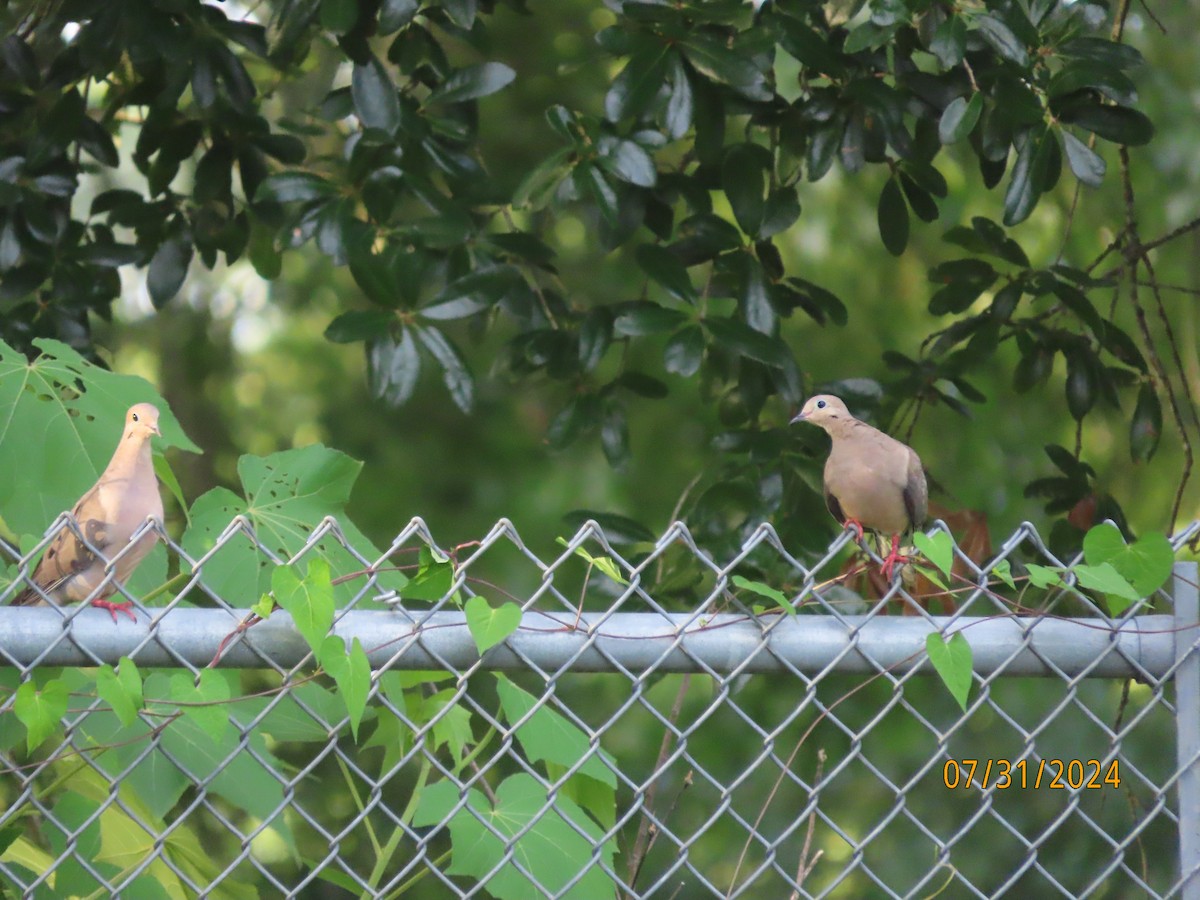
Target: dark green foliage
692, 165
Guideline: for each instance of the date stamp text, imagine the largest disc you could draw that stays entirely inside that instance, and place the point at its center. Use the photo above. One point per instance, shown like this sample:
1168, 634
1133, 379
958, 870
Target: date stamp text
1076, 774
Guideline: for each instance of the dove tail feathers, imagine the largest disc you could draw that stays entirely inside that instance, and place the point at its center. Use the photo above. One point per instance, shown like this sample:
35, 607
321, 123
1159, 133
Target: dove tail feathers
27, 597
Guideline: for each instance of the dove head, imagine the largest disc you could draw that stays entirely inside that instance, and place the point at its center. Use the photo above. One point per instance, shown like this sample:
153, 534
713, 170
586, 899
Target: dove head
826, 411
141, 421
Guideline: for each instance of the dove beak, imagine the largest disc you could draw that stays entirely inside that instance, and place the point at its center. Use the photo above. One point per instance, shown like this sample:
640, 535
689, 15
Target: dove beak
154, 429
800, 417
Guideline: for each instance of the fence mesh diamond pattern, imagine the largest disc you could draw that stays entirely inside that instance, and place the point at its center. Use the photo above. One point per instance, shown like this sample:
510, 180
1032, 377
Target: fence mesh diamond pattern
596, 722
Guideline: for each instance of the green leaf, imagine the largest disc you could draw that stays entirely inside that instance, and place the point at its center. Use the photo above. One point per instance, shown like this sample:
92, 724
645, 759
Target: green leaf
638, 83
1102, 51
764, 590
552, 843
264, 607
377, 274
614, 435
1081, 384
959, 118
815, 51
642, 318
680, 104
249, 777
168, 268
1118, 592
950, 41
395, 14
1044, 576
287, 495
952, 661
933, 575
489, 626
1145, 428
938, 548
546, 736
96, 140
339, 16
293, 187
40, 710
1146, 564
591, 180
165, 474
595, 337
205, 703
1118, 124
713, 58
1023, 188
375, 99
1002, 39
743, 178
121, 689
919, 200
538, 187
471, 83
474, 292
1079, 75
359, 325
684, 351
309, 601
1085, 162
780, 213
630, 162
351, 670
868, 36
455, 374
263, 254
742, 340
754, 300
820, 303
434, 576
604, 563
667, 270
893, 218
641, 384
394, 364
1003, 571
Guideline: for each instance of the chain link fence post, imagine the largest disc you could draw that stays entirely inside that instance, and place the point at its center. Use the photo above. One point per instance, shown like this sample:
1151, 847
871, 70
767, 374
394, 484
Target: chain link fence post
1186, 594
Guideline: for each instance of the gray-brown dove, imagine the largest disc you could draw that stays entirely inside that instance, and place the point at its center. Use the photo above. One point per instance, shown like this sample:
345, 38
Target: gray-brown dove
872, 480
107, 515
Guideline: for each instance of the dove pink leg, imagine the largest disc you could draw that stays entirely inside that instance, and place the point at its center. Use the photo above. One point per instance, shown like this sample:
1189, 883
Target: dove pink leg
114, 608
894, 558
855, 526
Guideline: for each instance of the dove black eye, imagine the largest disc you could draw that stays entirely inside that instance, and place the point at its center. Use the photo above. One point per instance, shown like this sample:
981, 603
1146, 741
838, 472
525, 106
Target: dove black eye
135, 418
820, 404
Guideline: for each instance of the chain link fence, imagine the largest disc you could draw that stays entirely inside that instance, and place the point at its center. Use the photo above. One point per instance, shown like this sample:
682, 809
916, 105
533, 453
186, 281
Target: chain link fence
642, 722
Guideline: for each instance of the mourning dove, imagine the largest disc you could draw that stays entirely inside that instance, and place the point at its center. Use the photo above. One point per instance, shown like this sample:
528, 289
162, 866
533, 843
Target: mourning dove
107, 515
871, 480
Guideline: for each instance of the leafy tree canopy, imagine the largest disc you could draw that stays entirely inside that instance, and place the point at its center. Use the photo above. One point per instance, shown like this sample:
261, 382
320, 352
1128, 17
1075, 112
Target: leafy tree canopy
152, 134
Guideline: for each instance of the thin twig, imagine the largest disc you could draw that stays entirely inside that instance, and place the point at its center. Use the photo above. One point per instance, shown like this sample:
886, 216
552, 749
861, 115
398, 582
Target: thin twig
641, 844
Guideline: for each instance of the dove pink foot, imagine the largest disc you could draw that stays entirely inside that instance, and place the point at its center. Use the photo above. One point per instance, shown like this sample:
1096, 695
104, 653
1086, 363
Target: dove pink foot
893, 559
114, 608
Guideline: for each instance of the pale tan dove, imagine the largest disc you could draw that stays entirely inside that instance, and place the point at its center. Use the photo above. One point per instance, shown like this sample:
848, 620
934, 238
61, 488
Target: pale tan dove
107, 515
872, 480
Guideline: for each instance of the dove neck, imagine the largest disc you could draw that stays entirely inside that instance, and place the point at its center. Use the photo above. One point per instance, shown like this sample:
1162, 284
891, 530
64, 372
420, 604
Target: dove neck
132, 452
841, 428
